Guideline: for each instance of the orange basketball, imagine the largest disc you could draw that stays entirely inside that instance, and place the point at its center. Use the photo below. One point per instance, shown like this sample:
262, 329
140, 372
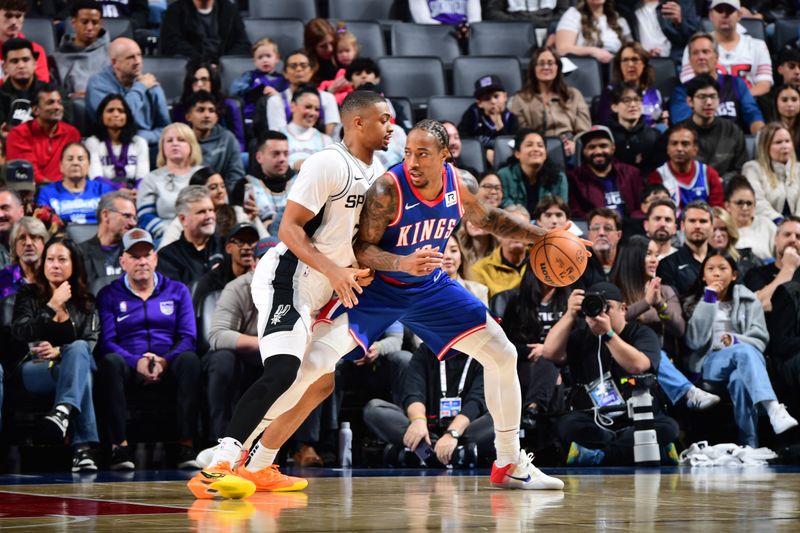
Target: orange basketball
559, 259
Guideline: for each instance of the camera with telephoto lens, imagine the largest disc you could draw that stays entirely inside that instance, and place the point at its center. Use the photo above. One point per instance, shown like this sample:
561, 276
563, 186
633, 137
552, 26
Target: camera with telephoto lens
646, 451
593, 304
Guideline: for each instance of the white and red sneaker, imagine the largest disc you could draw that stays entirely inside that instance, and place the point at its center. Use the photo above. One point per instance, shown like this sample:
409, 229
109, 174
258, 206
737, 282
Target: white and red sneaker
523, 475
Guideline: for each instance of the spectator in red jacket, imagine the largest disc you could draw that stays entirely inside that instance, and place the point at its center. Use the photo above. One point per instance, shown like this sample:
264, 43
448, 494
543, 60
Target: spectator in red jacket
42, 140
602, 181
12, 18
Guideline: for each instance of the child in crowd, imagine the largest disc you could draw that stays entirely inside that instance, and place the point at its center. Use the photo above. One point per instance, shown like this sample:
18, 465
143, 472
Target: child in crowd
346, 49
488, 117
264, 80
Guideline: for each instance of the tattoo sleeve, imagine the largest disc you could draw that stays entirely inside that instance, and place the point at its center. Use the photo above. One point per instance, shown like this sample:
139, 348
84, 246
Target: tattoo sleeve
380, 208
492, 219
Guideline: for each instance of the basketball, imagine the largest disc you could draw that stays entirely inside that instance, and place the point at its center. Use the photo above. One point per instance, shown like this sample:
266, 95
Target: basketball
559, 259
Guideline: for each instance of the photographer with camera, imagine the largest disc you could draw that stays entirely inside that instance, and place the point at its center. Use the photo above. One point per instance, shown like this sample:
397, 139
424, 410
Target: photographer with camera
601, 348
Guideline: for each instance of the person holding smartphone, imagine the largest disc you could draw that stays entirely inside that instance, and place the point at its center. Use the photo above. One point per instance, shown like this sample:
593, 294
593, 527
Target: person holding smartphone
57, 317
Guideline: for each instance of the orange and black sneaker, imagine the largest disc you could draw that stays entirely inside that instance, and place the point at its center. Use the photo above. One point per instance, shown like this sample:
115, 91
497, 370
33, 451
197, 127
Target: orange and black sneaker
219, 481
270, 479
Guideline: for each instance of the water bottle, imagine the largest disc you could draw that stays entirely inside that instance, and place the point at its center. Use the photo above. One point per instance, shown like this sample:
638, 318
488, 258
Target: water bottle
345, 445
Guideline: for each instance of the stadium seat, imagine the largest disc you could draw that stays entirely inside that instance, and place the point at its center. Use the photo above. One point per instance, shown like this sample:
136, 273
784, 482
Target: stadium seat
555, 152
468, 69
288, 9
751, 147
369, 35
403, 106
360, 9
80, 116
415, 78
40, 30
81, 232
98, 283
205, 315
120, 27
754, 27
666, 77
231, 67
502, 38
425, 40
787, 33
503, 149
587, 78
169, 71
288, 33
472, 155
448, 107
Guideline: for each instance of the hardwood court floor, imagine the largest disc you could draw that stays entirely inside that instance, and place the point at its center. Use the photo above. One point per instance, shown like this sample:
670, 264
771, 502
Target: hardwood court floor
738, 500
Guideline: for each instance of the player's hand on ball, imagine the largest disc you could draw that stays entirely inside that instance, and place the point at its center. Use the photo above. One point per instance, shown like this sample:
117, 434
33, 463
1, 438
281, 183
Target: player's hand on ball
422, 262
344, 282
587, 243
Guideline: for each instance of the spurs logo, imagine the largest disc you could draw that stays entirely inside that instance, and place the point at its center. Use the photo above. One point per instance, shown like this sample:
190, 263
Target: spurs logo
279, 313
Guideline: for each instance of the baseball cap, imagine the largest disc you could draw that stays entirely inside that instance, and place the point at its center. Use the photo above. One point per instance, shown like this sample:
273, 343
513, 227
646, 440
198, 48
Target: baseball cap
134, 236
264, 245
487, 84
608, 290
595, 131
20, 175
733, 3
242, 227
789, 54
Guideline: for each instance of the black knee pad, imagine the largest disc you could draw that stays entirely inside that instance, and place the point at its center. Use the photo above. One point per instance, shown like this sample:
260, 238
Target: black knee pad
280, 371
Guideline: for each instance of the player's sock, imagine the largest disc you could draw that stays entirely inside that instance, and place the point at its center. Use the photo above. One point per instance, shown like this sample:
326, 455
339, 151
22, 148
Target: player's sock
261, 457
227, 451
507, 445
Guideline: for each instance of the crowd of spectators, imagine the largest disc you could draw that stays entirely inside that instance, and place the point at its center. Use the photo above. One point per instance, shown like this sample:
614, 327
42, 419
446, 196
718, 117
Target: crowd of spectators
131, 220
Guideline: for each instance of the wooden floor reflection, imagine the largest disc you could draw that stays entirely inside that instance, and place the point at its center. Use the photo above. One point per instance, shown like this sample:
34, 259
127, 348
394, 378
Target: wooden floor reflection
742, 500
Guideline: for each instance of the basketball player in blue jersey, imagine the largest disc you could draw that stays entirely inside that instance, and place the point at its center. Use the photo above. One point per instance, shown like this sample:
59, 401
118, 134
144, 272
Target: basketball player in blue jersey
410, 213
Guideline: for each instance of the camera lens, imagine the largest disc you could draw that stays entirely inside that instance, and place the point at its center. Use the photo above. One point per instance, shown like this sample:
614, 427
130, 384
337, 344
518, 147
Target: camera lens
593, 305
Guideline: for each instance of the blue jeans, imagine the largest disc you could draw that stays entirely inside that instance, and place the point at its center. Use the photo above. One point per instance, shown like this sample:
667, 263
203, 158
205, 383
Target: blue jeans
71, 380
743, 369
674, 384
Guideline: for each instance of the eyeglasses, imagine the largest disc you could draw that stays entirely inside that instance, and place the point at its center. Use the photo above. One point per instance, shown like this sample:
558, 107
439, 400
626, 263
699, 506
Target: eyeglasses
298, 66
607, 228
545, 63
495, 188
744, 203
127, 216
201, 79
631, 100
704, 97
634, 60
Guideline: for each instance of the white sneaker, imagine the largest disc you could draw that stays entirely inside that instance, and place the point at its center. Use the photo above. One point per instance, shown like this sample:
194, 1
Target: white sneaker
781, 420
204, 458
700, 400
523, 475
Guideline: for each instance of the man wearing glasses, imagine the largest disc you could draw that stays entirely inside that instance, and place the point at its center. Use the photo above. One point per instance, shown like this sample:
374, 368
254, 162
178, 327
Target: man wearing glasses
720, 142
116, 214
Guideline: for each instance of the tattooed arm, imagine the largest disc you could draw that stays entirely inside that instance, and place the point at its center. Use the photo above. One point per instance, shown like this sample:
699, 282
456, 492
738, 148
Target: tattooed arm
380, 209
491, 219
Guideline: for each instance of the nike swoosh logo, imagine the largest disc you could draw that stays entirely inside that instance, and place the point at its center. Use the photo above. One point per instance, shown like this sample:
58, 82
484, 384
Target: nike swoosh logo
412, 206
523, 479
121, 318
681, 267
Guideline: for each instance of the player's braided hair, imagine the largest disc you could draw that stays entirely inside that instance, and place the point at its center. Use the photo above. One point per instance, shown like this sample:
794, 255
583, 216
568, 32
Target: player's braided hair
435, 128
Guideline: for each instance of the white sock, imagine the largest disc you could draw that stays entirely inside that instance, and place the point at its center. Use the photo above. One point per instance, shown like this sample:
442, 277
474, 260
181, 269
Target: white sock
228, 450
261, 457
507, 445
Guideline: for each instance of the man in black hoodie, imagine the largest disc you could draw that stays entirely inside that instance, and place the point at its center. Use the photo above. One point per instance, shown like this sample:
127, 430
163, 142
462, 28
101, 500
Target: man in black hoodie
635, 141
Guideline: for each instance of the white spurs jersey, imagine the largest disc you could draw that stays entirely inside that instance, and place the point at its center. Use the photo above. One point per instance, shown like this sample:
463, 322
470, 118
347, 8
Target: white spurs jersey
333, 184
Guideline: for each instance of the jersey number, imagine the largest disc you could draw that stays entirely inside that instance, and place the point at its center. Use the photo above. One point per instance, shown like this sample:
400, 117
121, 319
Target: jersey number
354, 200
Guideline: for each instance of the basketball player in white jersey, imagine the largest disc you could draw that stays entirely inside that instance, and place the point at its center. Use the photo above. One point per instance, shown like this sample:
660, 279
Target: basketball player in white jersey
296, 278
